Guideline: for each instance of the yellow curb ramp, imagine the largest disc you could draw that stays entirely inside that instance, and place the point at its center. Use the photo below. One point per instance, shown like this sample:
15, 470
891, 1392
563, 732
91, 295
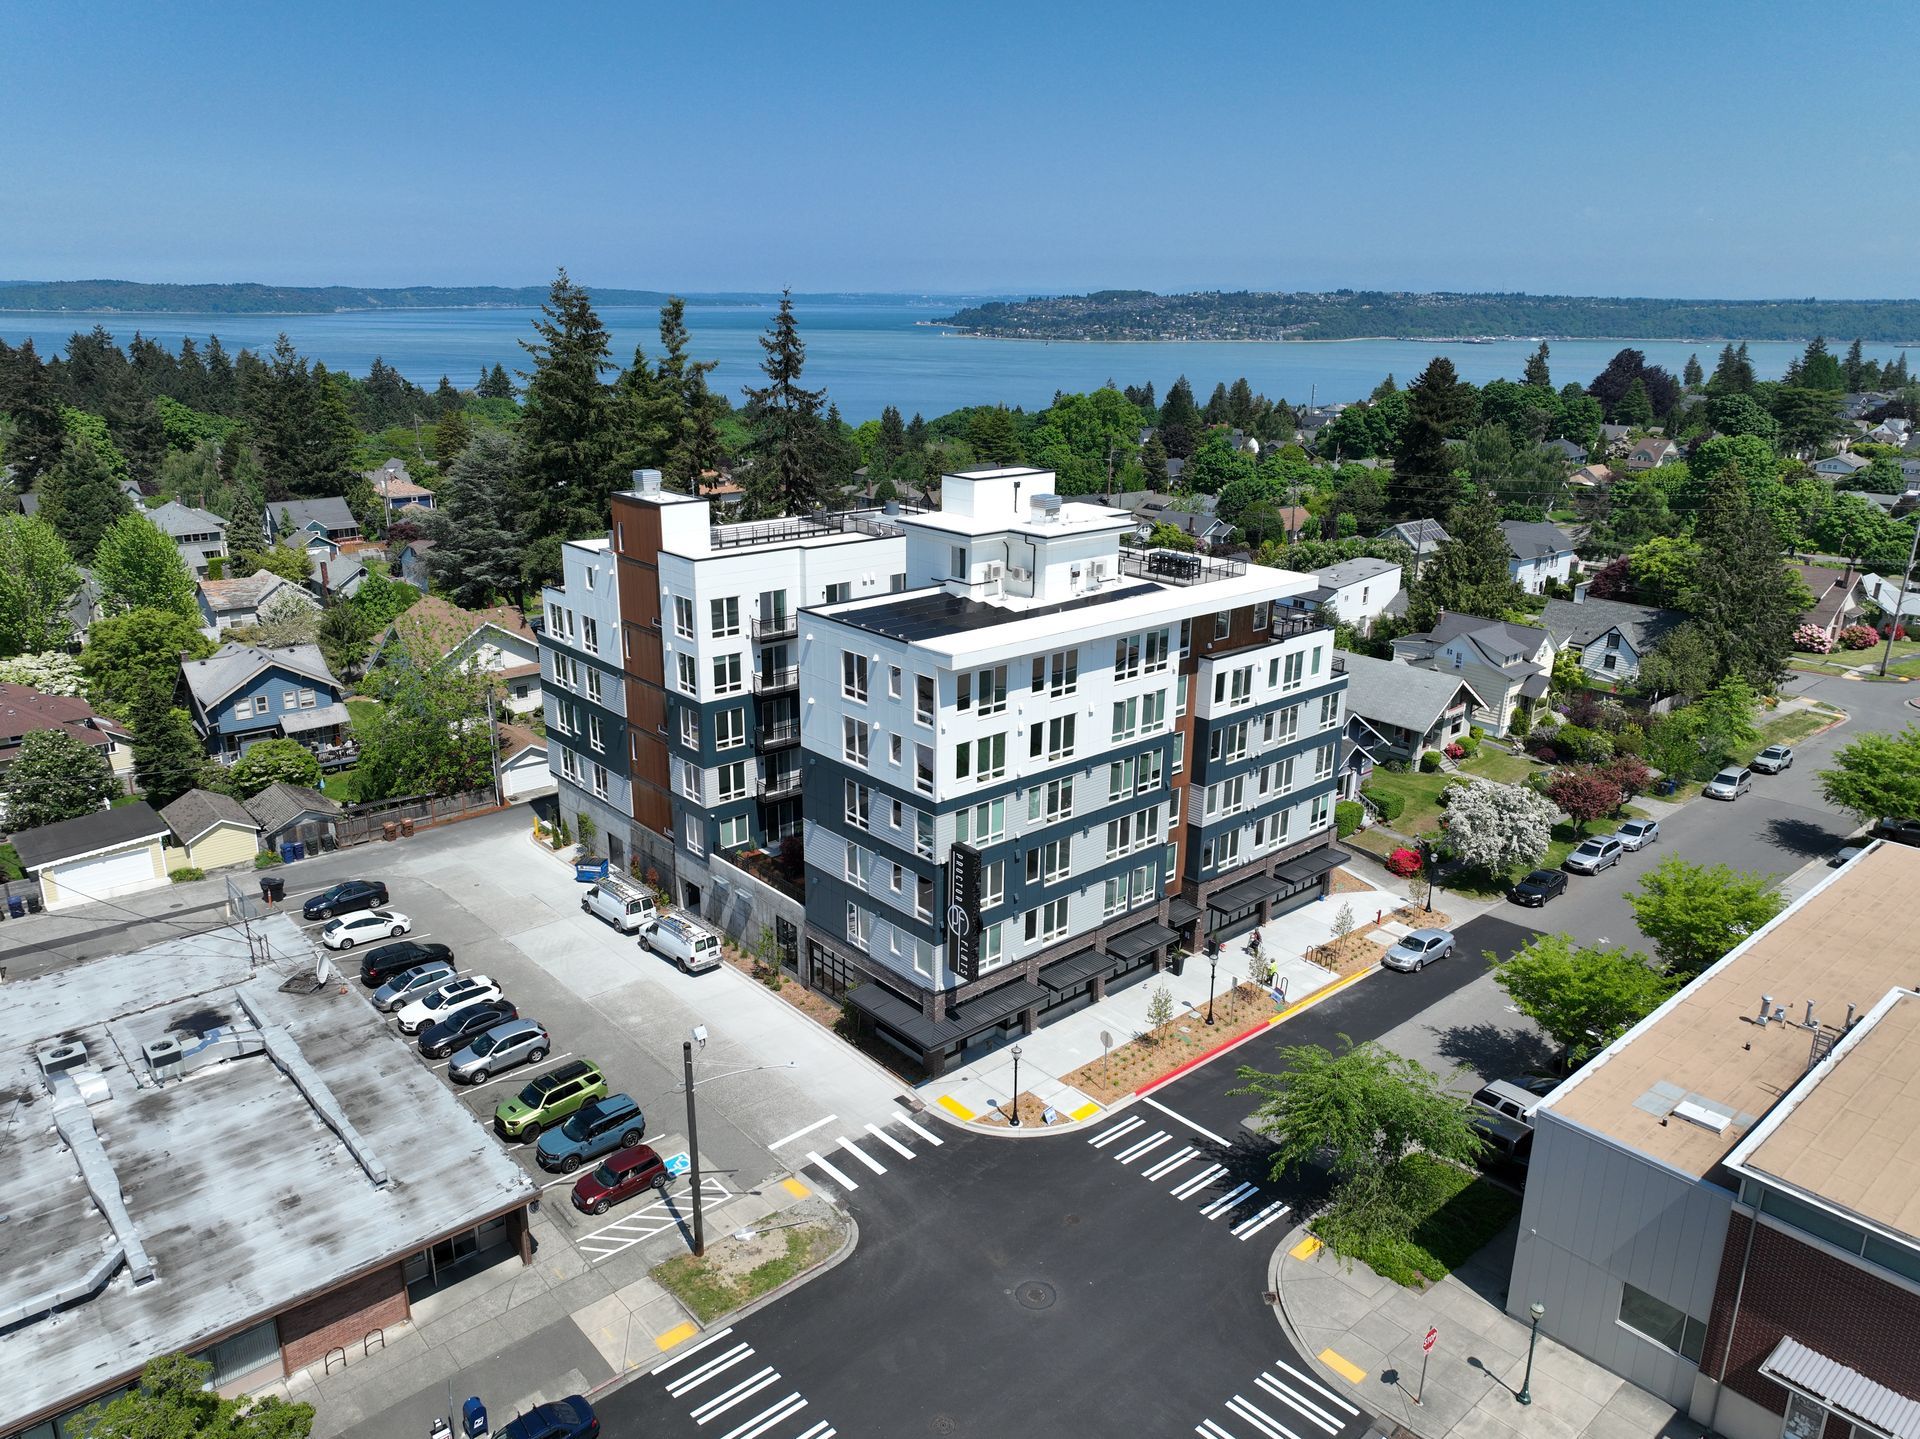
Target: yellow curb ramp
795, 1188
955, 1108
1343, 1366
1305, 1249
1325, 991
1085, 1111
676, 1336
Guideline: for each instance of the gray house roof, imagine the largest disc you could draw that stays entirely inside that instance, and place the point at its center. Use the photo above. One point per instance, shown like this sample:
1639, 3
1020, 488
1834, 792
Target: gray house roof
1567, 449
232, 665
89, 834
330, 513
1583, 622
1501, 643
1352, 572
280, 804
1534, 539
1384, 692
199, 810
176, 519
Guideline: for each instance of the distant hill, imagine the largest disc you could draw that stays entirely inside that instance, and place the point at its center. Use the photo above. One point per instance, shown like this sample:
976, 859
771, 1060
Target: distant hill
133, 297
1378, 314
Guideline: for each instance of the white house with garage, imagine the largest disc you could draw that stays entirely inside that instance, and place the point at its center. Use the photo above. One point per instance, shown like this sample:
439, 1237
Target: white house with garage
103, 855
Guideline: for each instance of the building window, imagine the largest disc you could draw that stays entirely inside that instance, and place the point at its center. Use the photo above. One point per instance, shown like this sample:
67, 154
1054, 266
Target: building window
590, 634
570, 766
1329, 711
1260, 614
853, 741
689, 727
1048, 863
1222, 623
683, 617
726, 675
593, 732
729, 729
1047, 923
983, 824
859, 805
990, 757
1179, 751
689, 681
922, 770
894, 743
957, 557
1296, 670
593, 685
696, 839
839, 594
893, 682
1058, 673
897, 582
992, 940
1660, 1322
1114, 900
993, 884
733, 781
1052, 738
1051, 801
923, 896
726, 616
854, 866
690, 781
1126, 719
733, 832
1153, 711
1323, 761
853, 677
899, 876
308, 699
856, 924
1156, 651
1126, 657
1322, 809
1180, 695
923, 698
923, 834
993, 690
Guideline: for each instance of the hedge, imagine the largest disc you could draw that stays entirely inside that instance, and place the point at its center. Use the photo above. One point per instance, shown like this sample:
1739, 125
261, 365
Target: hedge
185, 873
1391, 806
1346, 817
1430, 761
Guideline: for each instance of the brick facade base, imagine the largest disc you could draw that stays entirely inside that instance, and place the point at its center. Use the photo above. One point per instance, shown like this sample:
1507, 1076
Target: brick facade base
342, 1317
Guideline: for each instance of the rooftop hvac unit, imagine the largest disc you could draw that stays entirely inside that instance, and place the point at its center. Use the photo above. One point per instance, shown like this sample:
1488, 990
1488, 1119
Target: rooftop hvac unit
1016, 572
163, 1058
59, 1058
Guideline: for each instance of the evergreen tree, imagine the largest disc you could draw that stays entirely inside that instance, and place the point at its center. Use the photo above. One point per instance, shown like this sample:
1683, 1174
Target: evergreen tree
1854, 368
567, 434
1634, 408
446, 399
1733, 374
700, 450
1388, 386
81, 498
993, 436
475, 557
1439, 405
451, 435
1747, 600
167, 754
1468, 574
1240, 405
891, 441
223, 396
1217, 408
494, 384
1537, 374
1180, 422
647, 412
1692, 375
788, 473
1153, 460
1818, 370
39, 434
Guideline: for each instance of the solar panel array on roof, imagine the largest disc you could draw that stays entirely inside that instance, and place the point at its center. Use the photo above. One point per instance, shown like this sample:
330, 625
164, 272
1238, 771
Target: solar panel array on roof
930, 616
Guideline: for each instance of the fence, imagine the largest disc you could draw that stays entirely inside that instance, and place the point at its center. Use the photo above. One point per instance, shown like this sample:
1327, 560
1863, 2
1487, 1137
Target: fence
364, 822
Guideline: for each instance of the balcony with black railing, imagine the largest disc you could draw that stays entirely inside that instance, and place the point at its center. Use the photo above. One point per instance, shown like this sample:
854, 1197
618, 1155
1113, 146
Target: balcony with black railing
1178, 567
778, 627
773, 682
780, 784
781, 734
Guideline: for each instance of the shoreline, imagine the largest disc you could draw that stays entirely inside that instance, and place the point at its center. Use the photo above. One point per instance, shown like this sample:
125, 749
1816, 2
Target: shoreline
959, 333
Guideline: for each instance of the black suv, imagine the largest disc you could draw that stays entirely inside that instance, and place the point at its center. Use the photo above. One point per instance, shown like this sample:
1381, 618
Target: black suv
382, 964
1538, 887
345, 899
437, 1041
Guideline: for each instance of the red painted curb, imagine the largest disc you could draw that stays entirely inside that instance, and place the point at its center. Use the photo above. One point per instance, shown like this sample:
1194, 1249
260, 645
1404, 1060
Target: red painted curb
1200, 1059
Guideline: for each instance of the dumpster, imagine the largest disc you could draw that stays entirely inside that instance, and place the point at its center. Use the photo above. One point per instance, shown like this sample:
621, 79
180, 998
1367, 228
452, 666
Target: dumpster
273, 888
590, 871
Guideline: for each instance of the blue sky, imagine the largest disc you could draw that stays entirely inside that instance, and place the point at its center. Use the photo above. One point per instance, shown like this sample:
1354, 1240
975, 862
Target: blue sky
1708, 150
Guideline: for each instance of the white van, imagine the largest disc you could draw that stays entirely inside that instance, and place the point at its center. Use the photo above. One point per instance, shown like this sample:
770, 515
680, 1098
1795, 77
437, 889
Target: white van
694, 947
627, 907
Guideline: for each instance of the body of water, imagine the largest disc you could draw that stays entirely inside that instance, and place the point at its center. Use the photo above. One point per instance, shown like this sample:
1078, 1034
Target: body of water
870, 354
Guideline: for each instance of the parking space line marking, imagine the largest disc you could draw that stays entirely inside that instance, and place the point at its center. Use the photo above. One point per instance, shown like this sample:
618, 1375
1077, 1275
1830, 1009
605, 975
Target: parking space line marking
1084, 1112
1227, 1201
555, 1183
768, 1417
955, 1108
887, 1139
1286, 1396
676, 1336
1145, 1146
1187, 1188
1342, 1366
813, 1158
935, 1140
707, 1343
873, 1164
1207, 1429
1175, 1114
1247, 1228
515, 1077
795, 1188
1305, 1249
1259, 1419
799, 1132
700, 1374
1164, 1167
739, 1394
1113, 1132
1318, 1387
822, 1430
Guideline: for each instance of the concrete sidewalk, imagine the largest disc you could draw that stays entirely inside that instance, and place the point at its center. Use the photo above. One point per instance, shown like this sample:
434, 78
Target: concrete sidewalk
1364, 1333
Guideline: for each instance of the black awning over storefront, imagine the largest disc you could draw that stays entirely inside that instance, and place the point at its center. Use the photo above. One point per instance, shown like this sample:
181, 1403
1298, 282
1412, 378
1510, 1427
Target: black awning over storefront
1182, 912
1312, 866
995, 1005
958, 1022
1245, 894
1075, 970
1136, 942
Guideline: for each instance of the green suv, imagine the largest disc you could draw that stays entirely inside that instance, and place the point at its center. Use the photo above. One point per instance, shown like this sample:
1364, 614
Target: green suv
549, 1099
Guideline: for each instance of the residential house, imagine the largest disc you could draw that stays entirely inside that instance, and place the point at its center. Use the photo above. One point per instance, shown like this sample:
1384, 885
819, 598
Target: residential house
1361, 748
497, 641
1842, 466
1538, 554
397, 489
523, 765
213, 830
1506, 664
1355, 592
413, 564
341, 573
1192, 515
1423, 537
1836, 597
1565, 449
317, 526
1406, 710
1891, 597
1616, 440
1651, 453
243, 694
102, 855
1591, 477
1611, 637
722, 490
199, 535
226, 603
1891, 432
292, 814
24, 709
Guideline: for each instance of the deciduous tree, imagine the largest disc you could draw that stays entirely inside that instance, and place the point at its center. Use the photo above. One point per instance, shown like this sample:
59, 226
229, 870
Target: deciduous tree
1696, 913
1497, 828
1876, 777
1585, 794
175, 1399
1584, 996
37, 583
275, 761
54, 776
139, 568
430, 733
132, 661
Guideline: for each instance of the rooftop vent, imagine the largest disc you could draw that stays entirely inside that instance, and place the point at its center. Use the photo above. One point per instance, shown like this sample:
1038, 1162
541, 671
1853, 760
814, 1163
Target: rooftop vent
163, 1058
646, 482
1045, 509
1705, 1115
59, 1058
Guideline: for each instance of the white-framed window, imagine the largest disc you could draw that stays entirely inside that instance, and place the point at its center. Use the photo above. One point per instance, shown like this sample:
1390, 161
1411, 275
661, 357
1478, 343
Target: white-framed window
1180, 695
1179, 751
982, 759
1051, 739
683, 617
1226, 849
859, 802
1157, 651
839, 594
308, 699
1322, 811
1222, 624
689, 675
593, 732
1329, 710
689, 726
593, 684
893, 682
894, 748
696, 834
734, 832
923, 896
853, 741
980, 825
856, 924
896, 812
1057, 674
1295, 674
897, 876
1228, 744
1114, 898
570, 765
923, 698
1047, 923
733, 781
993, 884
690, 781
1153, 711
1233, 687
1323, 761
992, 944
922, 769
923, 834
853, 677
1121, 776
1050, 801
1126, 657
1126, 719
590, 634
1260, 612
729, 729
854, 867
957, 558
726, 675
1049, 863
725, 613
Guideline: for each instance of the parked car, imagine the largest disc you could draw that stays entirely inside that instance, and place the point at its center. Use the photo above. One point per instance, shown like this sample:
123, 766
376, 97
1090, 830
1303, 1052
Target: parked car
598, 1128
692, 946
1638, 833
1729, 784
1418, 950
444, 1036
1538, 887
549, 1099
1594, 855
629, 908
1847, 855
411, 983
1514, 1099
1508, 1144
442, 1000
382, 964
344, 899
569, 1418
351, 929
620, 1176
1900, 831
1773, 759
517, 1041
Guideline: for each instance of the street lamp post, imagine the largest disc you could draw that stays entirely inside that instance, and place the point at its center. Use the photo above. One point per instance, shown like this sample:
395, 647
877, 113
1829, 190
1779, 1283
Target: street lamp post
693, 1142
1013, 1116
1213, 967
1539, 1312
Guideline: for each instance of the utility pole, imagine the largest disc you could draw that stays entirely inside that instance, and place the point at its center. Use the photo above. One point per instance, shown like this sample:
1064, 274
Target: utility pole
693, 1153
1900, 608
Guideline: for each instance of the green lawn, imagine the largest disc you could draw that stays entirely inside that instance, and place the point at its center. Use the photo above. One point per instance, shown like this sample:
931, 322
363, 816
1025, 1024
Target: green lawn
339, 785
1449, 1214
1785, 730
1498, 765
362, 710
1421, 794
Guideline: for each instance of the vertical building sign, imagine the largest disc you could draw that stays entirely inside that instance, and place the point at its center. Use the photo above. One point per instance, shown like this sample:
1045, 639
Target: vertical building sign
963, 910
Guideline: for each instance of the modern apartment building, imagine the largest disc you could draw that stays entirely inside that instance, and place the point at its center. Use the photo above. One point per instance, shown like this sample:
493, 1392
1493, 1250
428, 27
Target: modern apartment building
1048, 763
583, 686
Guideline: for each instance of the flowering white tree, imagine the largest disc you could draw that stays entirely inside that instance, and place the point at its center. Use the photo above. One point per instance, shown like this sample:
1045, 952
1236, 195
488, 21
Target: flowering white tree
1497, 827
51, 672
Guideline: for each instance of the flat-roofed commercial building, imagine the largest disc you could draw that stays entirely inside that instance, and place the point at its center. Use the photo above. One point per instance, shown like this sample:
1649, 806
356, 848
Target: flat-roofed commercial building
1724, 1206
204, 1151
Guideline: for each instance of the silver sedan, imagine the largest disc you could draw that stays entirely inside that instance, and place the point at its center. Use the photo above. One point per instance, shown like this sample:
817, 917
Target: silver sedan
1418, 950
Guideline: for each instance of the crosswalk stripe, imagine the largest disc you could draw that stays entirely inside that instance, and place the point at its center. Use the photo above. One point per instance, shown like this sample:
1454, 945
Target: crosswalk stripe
1152, 1142
1227, 1201
694, 1378
1107, 1136
1187, 1188
887, 1139
768, 1417
685, 1354
1260, 1420
744, 1390
835, 1175
1206, 1429
848, 1145
1247, 1228
929, 1136
822, 1430
1316, 1386
1287, 1397
1164, 1167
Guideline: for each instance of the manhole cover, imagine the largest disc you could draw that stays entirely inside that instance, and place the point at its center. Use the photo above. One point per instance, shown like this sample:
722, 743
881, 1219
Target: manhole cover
1071, 1219
1035, 1294
943, 1424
